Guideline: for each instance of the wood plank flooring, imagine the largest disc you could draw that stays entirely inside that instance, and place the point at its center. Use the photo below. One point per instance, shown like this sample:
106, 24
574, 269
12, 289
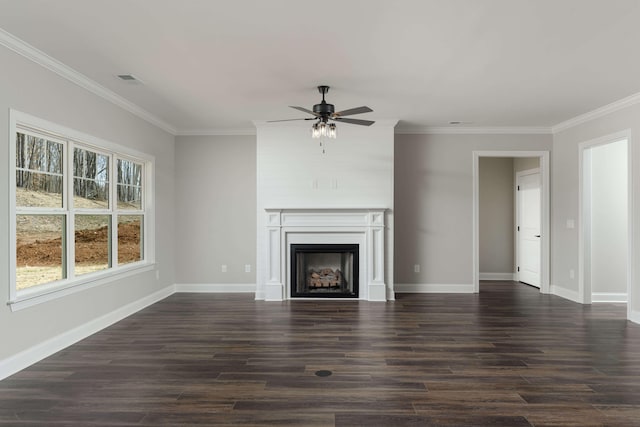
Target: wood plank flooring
507, 356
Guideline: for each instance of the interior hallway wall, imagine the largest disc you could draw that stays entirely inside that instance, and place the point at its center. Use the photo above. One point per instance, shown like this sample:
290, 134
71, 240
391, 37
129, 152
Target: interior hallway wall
496, 217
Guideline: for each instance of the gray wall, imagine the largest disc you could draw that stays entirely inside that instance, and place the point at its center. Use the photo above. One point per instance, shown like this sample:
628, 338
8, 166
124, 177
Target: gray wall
216, 196
434, 199
496, 214
30, 88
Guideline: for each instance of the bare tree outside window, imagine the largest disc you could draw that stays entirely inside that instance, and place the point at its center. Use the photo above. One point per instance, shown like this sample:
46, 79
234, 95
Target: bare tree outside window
90, 179
39, 165
129, 185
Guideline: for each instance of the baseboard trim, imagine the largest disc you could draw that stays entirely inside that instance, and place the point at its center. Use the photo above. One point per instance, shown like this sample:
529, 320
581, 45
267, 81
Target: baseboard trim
609, 297
565, 293
28, 357
497, 276
216, 288
634, 316
433, 288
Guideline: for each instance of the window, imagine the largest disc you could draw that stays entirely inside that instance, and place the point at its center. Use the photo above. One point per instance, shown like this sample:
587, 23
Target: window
72, 223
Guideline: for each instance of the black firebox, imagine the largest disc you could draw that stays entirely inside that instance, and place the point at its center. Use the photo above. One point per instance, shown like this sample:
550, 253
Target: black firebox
324, 270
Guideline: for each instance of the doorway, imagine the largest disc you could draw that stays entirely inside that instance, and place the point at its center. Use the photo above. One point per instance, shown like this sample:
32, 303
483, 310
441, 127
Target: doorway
543, 157
604, 269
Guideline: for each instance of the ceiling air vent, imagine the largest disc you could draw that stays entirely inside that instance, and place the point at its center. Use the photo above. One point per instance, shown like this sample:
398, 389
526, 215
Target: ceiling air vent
129, 78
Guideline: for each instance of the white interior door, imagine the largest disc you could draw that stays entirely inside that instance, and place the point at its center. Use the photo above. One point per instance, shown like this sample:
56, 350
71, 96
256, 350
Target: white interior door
528, 228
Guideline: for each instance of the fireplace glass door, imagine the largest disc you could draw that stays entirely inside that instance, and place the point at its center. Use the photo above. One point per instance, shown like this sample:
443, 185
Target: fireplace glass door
324, 270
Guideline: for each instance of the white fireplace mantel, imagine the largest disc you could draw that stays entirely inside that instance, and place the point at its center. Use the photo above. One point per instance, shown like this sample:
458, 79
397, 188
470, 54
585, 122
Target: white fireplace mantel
365, 227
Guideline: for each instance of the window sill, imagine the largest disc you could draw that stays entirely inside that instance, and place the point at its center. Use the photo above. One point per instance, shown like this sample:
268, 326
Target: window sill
38, 296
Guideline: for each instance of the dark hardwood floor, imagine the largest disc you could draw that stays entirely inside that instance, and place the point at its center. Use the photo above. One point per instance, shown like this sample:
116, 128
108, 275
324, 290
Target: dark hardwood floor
508, 356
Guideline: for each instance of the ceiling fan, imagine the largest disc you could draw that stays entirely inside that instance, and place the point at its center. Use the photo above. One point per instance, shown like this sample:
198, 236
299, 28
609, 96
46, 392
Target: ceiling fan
323, 112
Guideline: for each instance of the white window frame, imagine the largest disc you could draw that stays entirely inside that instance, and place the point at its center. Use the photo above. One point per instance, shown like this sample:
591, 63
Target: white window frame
25, 123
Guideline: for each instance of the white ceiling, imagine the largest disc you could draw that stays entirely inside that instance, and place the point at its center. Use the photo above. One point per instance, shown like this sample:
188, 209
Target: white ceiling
218, 65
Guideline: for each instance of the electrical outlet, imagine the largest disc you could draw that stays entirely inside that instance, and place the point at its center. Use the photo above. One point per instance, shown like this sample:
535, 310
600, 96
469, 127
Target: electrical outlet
157, 274
247, 268
572, 274
416, 268
223, 268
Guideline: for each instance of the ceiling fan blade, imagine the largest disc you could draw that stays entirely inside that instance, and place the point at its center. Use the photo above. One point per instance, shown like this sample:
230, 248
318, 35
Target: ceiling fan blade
354, 121
290, 120
304, 110
351, 111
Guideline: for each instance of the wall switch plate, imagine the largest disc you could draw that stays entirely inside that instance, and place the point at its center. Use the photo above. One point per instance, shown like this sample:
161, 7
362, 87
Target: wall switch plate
157, 274
572, 274
571, 223
416, 268
247, 268
223, 268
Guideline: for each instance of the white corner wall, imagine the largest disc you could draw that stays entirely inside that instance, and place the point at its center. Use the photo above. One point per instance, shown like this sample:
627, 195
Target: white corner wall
30, 88
609, 234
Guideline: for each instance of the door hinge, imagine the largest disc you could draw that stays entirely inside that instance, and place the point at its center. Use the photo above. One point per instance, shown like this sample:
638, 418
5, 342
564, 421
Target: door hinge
518, 228
518, 188
518, 268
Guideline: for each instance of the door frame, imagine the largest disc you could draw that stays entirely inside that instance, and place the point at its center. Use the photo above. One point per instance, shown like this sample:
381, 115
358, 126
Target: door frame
516, 243
544, 205
584, 217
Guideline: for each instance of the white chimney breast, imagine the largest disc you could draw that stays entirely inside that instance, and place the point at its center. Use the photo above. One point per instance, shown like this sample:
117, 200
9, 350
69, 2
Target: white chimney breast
355, 173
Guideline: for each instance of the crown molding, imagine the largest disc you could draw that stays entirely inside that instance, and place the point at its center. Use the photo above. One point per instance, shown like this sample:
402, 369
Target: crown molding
598, 112
478, 130
33, 54
215, 132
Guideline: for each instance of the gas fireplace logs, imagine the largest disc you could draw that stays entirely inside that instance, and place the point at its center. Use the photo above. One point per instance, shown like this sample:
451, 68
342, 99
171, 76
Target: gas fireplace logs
325, 278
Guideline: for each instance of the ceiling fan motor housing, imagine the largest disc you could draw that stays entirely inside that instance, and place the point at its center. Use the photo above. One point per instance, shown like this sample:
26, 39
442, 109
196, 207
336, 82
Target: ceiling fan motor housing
323, 109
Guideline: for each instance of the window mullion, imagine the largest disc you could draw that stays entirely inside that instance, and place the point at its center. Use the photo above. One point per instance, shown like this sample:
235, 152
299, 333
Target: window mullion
69, 264
113, 205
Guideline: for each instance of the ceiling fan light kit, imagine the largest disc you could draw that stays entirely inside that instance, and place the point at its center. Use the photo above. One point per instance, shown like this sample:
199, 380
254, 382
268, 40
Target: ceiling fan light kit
322, 129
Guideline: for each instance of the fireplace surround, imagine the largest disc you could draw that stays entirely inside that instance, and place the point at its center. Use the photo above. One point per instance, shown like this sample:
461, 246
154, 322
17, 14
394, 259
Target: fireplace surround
360, 228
